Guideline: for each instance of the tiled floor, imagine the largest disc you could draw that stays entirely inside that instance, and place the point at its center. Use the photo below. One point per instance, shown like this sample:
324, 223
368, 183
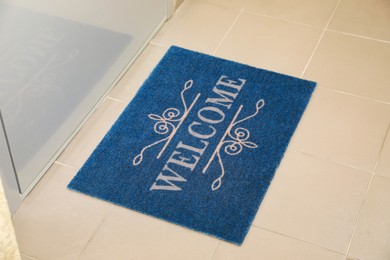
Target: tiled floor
330, 198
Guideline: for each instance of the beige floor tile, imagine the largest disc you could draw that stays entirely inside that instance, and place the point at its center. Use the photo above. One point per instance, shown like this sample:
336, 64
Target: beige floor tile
383, 167
312, 12
81, 147
25, 257
235, 4
54, 222
197, 25
314, 201
310, 199
343, 128
270, 44
372, 236
262, 244
353, 65
139, 71
129, 235
364, 17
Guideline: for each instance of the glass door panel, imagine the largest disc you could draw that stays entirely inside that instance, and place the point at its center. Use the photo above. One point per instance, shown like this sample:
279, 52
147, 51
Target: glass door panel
57, 59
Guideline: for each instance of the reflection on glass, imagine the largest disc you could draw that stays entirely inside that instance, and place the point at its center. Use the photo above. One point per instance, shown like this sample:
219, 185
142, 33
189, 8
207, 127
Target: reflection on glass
51, 73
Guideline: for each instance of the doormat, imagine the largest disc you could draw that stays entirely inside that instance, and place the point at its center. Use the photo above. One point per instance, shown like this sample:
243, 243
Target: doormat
199, 144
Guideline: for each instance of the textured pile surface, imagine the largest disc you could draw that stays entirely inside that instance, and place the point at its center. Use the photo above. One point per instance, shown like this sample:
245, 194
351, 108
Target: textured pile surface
199, 144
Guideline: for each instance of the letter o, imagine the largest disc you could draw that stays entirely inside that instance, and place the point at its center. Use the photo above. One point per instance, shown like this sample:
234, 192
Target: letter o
216, 111
199, 135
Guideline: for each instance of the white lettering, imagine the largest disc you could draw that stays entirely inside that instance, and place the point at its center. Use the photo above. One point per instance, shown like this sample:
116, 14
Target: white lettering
199, 135
168, 180
184, 155
208, 118
231, 83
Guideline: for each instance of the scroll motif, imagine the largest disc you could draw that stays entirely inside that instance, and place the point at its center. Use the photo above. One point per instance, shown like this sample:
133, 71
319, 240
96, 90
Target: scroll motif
168, 123
233, 142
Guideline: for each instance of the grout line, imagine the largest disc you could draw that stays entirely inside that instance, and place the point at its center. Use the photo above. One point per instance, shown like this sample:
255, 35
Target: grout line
215, 250
297, 239
359, 214
244, 5
382, 176
92, 236
114, 99
216, 4
34, 258
319, 40
64, 164
228, 31
381, 149
354, 95
312, 54
282, 19
331, 161
158, 45
359, 36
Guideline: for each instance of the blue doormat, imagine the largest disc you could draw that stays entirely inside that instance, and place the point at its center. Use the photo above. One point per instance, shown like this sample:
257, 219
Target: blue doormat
199, 144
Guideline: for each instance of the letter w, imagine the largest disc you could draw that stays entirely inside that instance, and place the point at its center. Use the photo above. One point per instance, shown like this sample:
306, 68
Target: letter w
168, 180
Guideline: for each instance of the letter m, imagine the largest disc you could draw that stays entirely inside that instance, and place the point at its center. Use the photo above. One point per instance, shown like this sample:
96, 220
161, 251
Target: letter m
223, 99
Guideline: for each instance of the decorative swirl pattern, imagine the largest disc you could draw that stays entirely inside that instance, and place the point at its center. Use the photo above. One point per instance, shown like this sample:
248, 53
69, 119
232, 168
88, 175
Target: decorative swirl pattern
218, 181
45, 81
240, 137
166, 123
234, 142
61, 60
162, 127
139, 158
233, 148
170, 114
241, 134
40, 84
